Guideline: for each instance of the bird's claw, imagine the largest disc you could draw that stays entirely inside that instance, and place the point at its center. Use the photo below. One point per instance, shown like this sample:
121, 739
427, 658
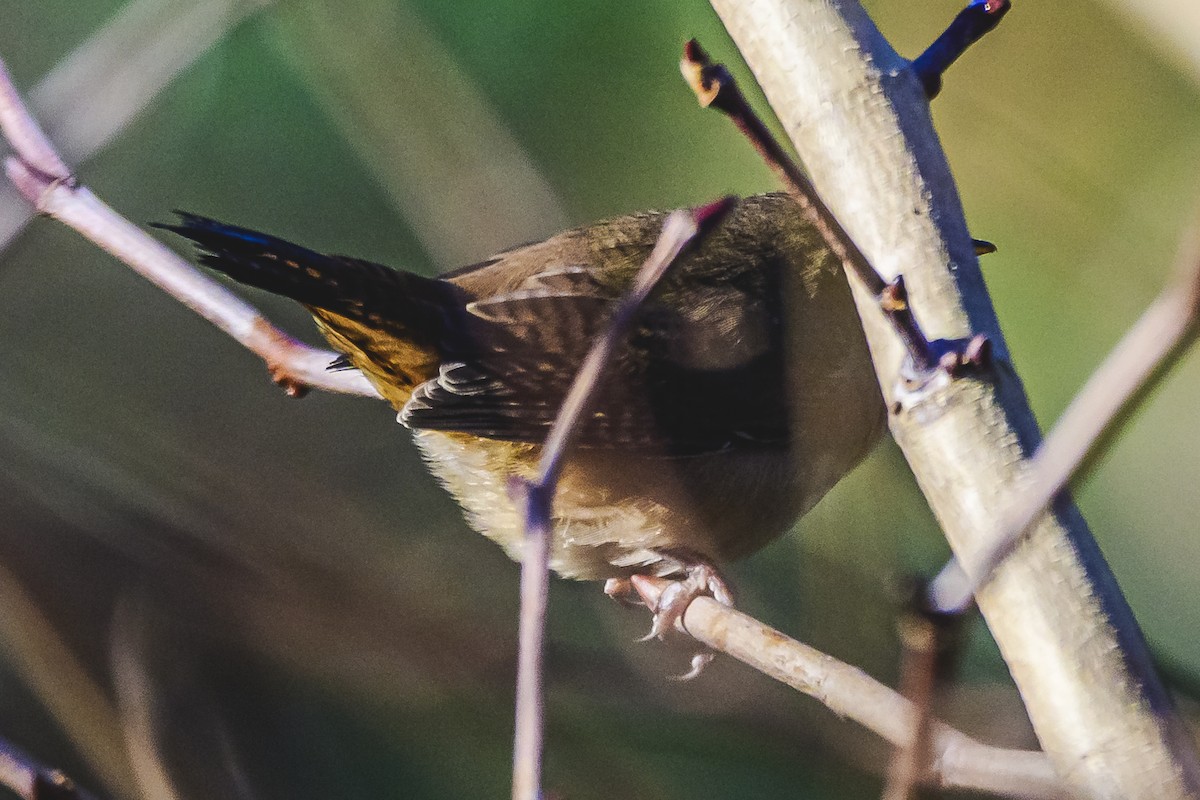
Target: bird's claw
702, 579
700, 660
622, 591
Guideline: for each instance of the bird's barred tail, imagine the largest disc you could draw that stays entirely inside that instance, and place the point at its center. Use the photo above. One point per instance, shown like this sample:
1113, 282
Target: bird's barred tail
370, 293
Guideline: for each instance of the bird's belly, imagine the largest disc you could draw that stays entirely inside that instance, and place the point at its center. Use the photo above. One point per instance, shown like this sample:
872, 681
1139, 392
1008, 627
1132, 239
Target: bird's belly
617, 514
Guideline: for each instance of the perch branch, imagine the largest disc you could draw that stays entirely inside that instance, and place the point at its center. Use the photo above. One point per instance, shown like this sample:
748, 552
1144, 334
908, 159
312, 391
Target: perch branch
681, 231
859, 118
1113, 392
956, 760
41, 176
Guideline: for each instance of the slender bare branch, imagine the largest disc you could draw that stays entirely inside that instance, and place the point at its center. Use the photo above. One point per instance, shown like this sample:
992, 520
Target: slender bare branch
925, 644
957, 760
90, 96
1108, 398
29, 780
42, 177
81, 706
681, 231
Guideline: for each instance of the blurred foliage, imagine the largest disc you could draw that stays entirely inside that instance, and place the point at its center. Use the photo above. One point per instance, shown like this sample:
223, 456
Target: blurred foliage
314, 617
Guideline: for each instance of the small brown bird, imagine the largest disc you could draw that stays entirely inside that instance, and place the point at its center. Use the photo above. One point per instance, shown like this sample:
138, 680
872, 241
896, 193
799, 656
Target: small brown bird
744, 393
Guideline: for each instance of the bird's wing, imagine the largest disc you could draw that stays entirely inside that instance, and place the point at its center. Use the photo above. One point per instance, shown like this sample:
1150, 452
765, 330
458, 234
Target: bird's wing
508, 377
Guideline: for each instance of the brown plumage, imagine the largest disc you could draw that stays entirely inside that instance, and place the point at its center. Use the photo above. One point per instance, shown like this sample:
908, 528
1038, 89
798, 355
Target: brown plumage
743, 395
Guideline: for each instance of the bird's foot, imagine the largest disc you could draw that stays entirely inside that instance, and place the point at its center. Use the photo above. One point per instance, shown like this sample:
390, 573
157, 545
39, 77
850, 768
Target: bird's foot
701, 578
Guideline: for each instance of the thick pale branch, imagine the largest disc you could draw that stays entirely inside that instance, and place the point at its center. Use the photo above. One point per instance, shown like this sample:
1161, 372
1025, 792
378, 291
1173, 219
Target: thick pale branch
956, 760
859, 119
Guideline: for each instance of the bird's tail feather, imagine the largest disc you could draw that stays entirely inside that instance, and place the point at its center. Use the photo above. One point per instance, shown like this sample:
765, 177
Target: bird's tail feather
369, 293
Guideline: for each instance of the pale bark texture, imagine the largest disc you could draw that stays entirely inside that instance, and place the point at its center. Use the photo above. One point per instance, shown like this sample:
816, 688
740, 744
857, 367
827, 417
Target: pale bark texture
860, 122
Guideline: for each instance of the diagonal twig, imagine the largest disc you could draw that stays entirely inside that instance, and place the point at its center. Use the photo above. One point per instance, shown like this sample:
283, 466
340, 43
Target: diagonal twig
681, 231
94, 92
715, 87
44, 180
1112, 393
971, 24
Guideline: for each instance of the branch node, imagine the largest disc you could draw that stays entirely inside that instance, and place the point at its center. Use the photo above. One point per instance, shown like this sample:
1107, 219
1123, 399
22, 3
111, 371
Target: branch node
715, 87
278, 351
35, 184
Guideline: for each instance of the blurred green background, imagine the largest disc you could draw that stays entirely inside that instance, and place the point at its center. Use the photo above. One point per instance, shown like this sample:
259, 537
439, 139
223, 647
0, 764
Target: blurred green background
272, 599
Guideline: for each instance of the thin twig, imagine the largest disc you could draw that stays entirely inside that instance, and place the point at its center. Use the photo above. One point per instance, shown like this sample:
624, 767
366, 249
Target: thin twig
957, 760
1108, 398
41, 176
979, 18
29, 780
925, 645
93, 93
681, 230
38, 652
715, 87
